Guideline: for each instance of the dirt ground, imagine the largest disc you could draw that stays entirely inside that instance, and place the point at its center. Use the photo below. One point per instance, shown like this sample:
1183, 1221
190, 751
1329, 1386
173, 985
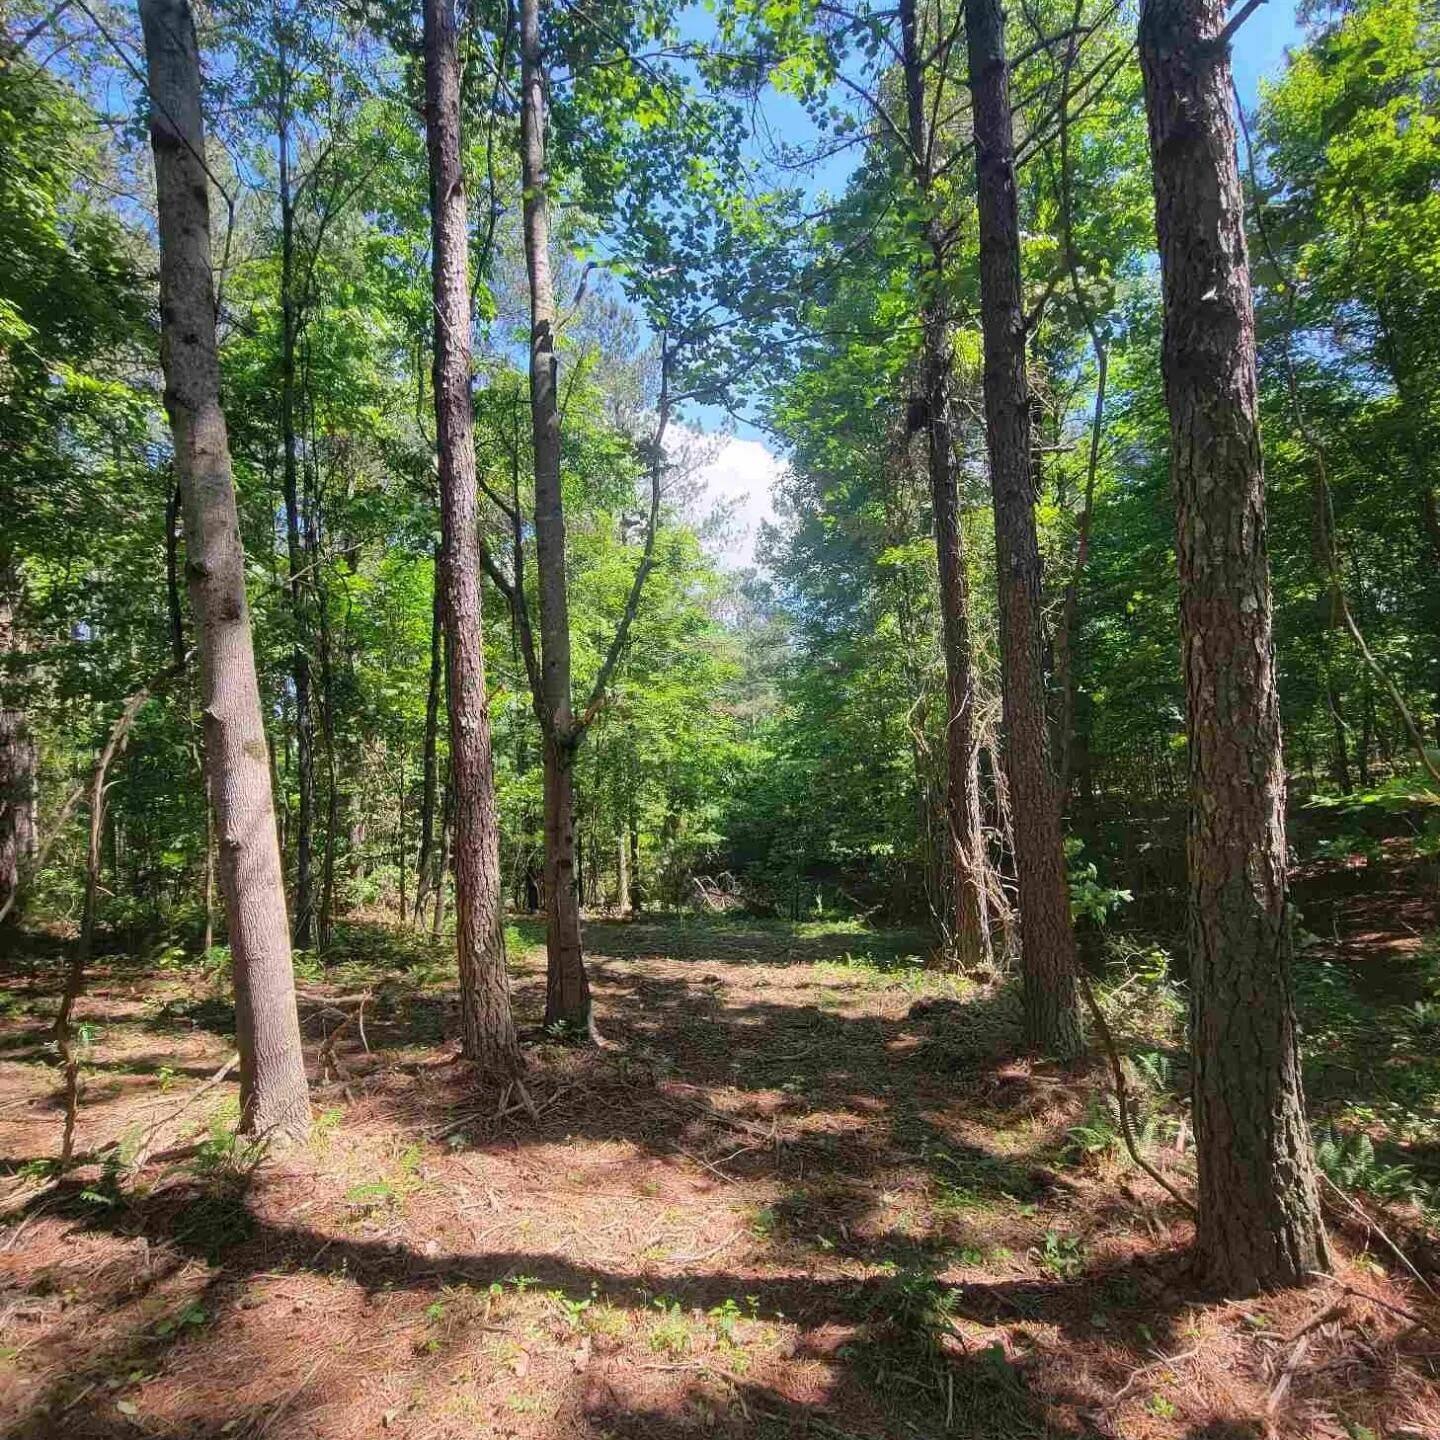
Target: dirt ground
809, 1191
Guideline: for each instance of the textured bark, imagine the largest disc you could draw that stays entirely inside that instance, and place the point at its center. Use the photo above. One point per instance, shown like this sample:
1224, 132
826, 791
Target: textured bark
1258, 1220
567, 990
968, 923
273, 1098
1064, 671
209, 865
304, 908
18, 757
429, 762
1047, 940
636, 891
1340, 749
324, 930
487, 1027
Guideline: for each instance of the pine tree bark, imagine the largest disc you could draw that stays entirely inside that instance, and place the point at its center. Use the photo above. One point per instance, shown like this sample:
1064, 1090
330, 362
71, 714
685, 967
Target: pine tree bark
273, 1097
1047, 939
487, 1026
429, 764
567, 990
968, 920
304, 909
18, 757
1258, 1222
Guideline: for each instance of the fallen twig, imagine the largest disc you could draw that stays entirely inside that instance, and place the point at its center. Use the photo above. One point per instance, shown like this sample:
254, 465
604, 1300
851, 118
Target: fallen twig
142, 1153
1157, 1364
1122, 1094
1333, 1311
1389, 1305
1373, 1224
1287, 1374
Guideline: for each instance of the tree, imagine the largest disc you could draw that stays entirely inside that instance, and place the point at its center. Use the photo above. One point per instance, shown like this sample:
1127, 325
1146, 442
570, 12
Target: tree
1052, 1014
488, 1029
273, 1097
567, 993
970, 930
1258, 1223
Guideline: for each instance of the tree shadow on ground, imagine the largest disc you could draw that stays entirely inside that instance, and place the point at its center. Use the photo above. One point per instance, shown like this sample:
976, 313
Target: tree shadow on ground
899, 1336
901, 1147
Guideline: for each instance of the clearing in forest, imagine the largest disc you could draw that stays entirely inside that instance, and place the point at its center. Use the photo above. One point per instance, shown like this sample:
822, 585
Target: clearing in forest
809, 1191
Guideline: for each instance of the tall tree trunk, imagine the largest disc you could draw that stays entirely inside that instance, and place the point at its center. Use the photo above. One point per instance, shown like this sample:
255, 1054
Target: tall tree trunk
273, 1096
18, 759
1064, 677
487, 1026
567, 992
442, 864
1340, 750
209, 864
1047, 940
304, 917
567, 988
637, 893
1258, 1222
429, 763
968, 922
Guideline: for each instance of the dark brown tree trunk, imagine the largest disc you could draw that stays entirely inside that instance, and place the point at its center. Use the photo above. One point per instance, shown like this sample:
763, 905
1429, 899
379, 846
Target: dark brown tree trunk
18, 758
969, 938
326, 926
442, 865
209, 866
1340, 750
400, 856
567, 992
1258, 1220
304, 917
637, 893
429, 763
487, 1027
273, 1097
1047, 940
1367, 729
567, 989
1064, 677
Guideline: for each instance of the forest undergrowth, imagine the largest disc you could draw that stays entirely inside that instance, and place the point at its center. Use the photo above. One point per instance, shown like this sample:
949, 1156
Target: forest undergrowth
807, 1189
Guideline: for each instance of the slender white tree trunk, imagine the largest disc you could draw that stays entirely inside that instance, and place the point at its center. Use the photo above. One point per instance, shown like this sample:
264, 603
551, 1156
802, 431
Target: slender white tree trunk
273, 1097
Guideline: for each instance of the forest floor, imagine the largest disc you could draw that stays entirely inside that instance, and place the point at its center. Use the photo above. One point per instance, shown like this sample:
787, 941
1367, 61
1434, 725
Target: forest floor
809, 1192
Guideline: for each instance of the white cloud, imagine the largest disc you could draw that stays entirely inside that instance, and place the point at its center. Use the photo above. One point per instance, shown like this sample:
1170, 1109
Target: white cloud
731, 476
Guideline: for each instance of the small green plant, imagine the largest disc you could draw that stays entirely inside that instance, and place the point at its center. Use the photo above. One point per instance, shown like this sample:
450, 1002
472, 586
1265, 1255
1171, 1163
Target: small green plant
1089, 899
371, 1195
572, 1311
1351, 1163
191, 1317
1424, 1017
1062, 1256
1161, 1407
1097, 1133
916, 1306
763, 1222
671, 1333
1349, 847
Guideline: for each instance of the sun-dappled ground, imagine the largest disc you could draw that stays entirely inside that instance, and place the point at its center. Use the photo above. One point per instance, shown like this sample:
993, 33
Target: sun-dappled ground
807, 1189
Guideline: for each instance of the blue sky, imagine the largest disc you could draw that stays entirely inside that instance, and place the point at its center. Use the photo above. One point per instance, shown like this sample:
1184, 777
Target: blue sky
1259, 49
744, 470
